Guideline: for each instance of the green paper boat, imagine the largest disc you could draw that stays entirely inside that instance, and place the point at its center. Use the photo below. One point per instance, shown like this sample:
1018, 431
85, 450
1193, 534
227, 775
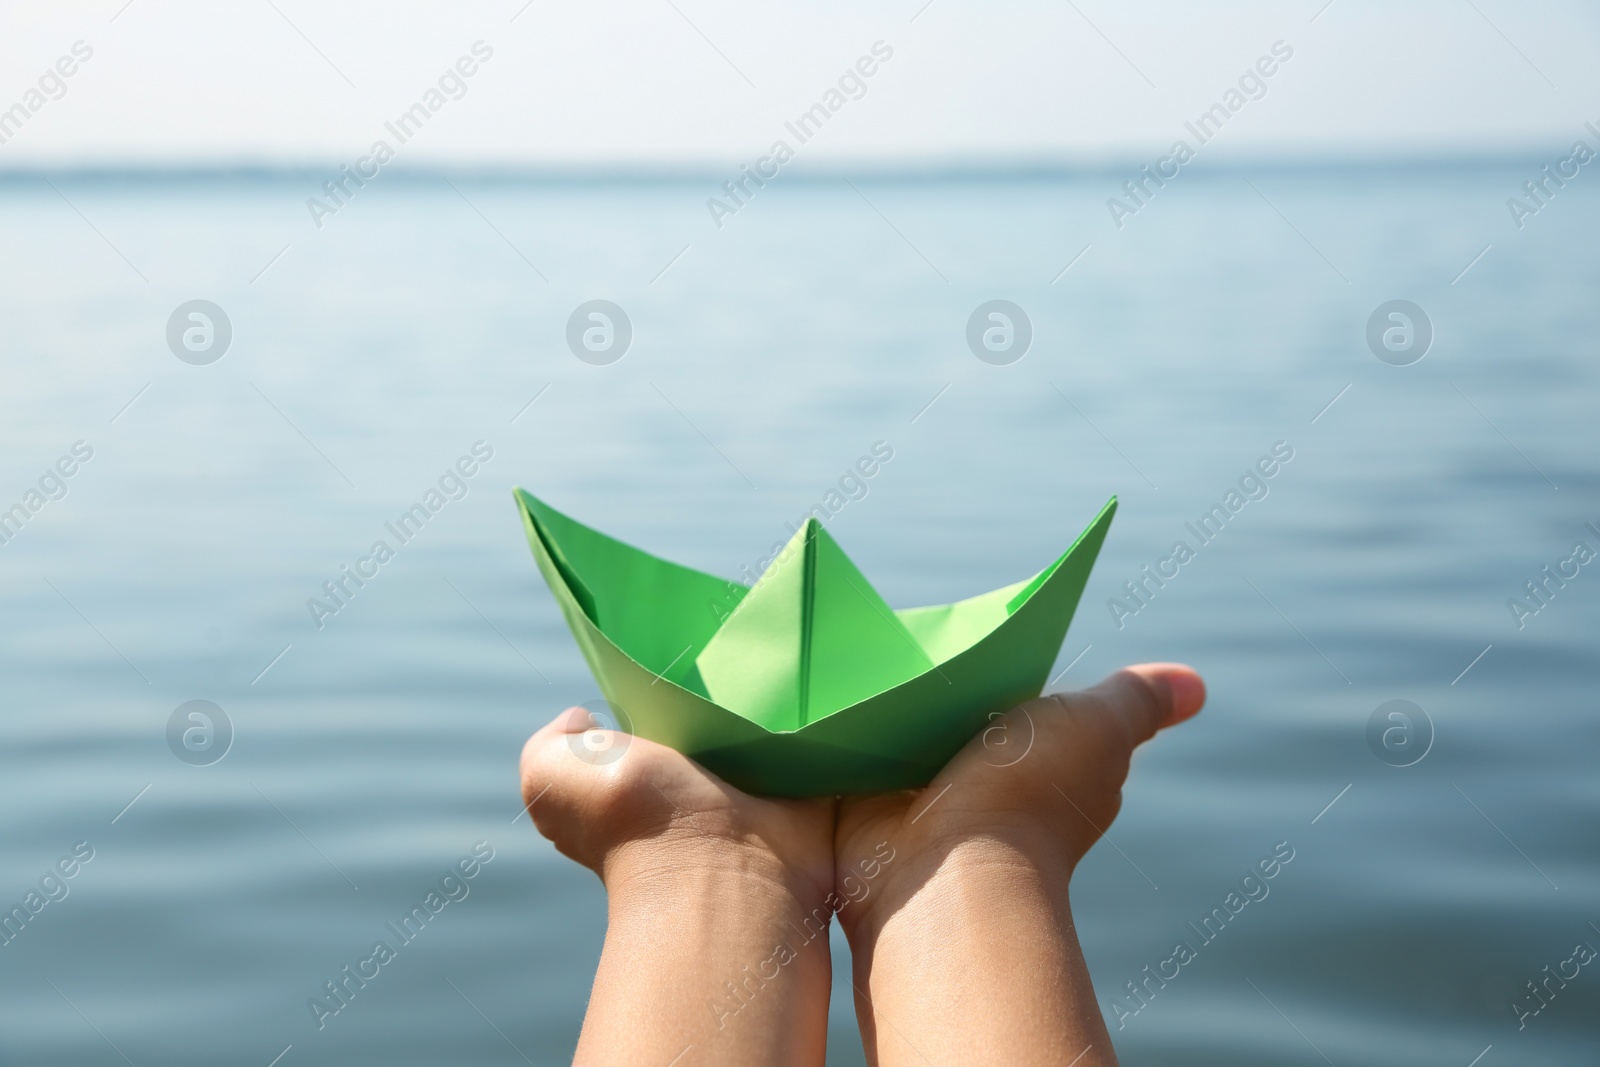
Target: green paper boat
805, 683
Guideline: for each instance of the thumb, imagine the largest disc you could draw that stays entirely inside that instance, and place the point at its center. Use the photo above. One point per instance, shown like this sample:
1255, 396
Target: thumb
1151, 696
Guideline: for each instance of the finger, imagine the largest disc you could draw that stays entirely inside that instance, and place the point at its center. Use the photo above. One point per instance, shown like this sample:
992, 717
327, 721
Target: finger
1151, 696
536, 767
574, 720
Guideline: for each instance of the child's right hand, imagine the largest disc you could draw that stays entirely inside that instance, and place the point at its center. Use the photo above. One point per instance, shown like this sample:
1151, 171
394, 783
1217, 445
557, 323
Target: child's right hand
655, 811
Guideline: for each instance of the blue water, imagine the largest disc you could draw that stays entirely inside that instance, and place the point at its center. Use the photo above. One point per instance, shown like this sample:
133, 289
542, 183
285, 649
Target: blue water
372, 753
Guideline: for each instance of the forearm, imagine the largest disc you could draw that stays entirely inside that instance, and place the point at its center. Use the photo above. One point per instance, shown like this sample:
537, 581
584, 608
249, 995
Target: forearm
974, 959
725, 956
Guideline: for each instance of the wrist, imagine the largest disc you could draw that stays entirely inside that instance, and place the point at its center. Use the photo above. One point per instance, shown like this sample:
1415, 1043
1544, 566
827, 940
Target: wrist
945, 941
721, 944
644, 874
960, 869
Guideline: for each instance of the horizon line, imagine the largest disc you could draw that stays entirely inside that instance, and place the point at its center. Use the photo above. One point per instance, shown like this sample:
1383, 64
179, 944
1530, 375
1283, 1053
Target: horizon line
651, 172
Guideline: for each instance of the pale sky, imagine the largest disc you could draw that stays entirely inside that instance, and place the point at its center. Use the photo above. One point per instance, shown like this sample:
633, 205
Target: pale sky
690, 82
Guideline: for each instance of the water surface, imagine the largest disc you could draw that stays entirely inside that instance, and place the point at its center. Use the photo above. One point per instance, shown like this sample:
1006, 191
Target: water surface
374, 751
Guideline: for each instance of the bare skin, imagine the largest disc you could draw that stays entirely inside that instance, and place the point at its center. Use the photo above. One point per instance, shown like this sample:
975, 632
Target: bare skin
965, 951
953, 897
703, 882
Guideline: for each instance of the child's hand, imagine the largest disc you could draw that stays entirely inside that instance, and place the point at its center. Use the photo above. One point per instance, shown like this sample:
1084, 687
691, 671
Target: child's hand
1045, 778
964, 943
719, 900
652, 811
712, 897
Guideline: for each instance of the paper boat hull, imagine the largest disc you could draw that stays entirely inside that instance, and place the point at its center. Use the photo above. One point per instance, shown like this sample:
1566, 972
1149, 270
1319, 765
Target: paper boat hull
898, 739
